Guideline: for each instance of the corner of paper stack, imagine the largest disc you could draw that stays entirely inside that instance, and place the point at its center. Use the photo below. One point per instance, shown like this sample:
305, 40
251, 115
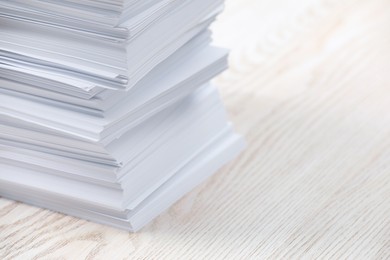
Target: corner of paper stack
106, 110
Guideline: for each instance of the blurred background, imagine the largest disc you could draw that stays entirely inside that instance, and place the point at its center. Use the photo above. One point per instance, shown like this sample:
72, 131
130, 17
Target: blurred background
309, 87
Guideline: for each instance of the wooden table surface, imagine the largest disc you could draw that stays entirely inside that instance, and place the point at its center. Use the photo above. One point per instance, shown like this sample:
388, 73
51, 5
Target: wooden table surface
309, 87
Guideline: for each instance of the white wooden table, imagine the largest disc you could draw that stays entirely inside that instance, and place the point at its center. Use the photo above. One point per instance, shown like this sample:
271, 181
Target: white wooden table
309, 87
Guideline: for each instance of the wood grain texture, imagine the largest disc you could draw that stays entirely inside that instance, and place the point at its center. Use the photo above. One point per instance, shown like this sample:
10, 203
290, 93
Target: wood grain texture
309, 87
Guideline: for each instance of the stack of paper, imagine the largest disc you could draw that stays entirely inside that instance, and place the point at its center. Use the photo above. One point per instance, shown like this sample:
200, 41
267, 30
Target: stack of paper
105, 108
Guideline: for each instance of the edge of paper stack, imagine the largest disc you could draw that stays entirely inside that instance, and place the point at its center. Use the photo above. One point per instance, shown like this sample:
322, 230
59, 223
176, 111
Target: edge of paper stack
106, 110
